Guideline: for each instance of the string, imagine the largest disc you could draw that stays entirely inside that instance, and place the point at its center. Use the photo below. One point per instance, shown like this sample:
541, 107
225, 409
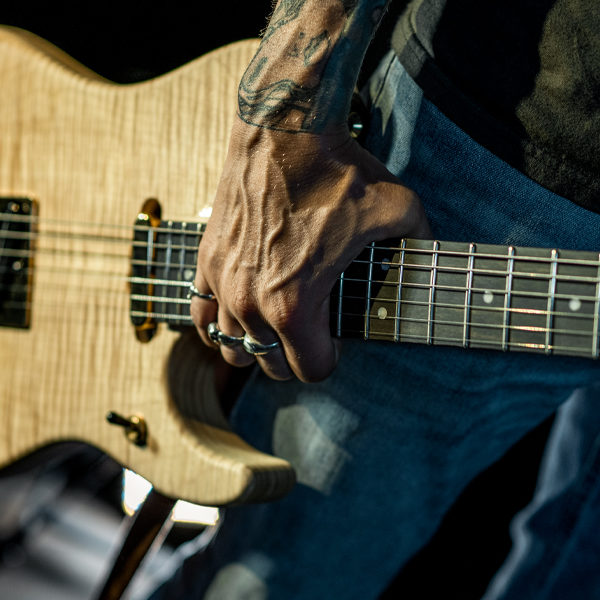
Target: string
183, 286
498, 326
16, 253
168, 283
36, 220
170, 230
472, 343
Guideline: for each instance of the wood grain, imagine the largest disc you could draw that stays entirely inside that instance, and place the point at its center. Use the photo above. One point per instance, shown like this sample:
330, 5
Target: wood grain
91, 152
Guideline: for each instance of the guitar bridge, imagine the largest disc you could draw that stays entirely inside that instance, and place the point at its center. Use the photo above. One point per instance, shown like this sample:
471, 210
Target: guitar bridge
17, 232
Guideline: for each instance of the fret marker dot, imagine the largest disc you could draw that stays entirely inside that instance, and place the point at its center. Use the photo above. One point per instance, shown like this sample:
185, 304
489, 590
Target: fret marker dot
574, 304
188, 274
385, 264
382, 312
488, 297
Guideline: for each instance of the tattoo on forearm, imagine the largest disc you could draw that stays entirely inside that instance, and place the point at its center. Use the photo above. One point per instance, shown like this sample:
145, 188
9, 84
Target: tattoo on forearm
302, 74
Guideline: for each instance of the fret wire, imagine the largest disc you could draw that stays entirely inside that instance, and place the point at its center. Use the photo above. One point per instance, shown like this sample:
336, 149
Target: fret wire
339, 317
596, 340
149, 253
550, 304
399, 291
434, 261
467, 313
368, 299
509, 280
182, 262
169, 251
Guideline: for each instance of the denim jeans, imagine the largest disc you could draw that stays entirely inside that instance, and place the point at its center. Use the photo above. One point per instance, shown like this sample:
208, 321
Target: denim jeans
384, 446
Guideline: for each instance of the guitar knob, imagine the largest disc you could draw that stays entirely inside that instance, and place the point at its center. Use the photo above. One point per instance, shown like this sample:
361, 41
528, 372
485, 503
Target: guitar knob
134, 426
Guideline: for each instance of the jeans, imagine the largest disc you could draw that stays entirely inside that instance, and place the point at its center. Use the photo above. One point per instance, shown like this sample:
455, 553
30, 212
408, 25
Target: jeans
385, 445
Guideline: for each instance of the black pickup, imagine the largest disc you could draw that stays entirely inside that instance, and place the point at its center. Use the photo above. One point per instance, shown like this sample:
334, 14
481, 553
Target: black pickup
17, 218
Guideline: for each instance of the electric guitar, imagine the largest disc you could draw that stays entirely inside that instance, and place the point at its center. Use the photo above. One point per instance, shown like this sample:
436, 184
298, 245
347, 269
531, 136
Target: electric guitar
104, 193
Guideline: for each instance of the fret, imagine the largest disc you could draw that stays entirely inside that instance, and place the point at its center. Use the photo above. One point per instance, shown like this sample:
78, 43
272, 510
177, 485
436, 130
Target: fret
434, 262
174, 242
551, 299
351, 320
468, 292
340, 298
369, 291
596, 334
149, 246
574, 305
509, 284
399, 291
164, 260
182, 262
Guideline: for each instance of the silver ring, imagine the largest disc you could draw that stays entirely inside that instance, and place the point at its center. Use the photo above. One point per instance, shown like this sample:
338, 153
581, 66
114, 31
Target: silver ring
251, 346
193, 291
222, 339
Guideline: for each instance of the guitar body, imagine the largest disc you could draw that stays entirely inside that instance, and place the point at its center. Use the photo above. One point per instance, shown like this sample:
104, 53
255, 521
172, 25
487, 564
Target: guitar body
90, 153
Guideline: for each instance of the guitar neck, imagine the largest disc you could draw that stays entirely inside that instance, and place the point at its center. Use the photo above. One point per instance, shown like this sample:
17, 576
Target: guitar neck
429, 292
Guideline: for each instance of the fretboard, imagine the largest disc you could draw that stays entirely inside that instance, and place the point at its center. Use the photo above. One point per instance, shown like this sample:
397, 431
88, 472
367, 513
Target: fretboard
429, 292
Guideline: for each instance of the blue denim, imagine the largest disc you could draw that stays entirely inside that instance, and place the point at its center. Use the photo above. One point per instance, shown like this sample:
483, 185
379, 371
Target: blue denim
385, 445
556, 546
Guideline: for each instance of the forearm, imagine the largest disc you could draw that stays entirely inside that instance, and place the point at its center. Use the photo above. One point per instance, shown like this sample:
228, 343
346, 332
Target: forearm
305, 70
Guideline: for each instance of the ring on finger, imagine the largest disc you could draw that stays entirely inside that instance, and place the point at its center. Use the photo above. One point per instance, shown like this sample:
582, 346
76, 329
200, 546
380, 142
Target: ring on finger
194, 291
222, 339
251, 346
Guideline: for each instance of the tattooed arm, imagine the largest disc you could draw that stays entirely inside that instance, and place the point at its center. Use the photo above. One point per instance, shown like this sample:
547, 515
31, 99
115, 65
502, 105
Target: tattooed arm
298, 198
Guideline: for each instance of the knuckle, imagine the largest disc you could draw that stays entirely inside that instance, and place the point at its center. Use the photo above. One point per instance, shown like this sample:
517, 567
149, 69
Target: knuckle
243, 306
285, 315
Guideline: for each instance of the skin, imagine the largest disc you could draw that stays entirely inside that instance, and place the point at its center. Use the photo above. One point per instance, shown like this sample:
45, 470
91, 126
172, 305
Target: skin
298, 197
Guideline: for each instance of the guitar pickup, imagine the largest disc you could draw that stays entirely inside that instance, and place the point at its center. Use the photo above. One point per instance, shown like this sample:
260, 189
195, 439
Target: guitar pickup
17, 233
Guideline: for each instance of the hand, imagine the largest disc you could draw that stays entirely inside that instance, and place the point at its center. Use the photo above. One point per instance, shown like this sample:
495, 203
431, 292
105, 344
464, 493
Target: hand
291, 212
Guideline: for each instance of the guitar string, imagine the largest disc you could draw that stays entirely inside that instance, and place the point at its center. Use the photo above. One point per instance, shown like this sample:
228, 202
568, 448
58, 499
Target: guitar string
184, 301
35, 219
436, 339
195, 233
408, 267
168, 283
582, 349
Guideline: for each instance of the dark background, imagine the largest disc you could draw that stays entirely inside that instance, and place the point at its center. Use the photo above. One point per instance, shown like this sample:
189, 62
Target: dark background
134, 41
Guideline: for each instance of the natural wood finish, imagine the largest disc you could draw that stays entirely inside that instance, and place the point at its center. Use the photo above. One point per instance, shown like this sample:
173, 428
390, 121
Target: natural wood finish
91, 152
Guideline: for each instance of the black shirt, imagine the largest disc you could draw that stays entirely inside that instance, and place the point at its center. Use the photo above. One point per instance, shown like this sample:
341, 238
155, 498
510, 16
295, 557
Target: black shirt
521, 77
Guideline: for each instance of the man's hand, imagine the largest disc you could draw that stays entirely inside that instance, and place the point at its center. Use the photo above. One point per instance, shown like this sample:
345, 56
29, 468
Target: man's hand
291, 212
298, 198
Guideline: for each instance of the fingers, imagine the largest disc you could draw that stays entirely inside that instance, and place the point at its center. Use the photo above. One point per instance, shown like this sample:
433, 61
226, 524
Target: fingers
311, 352
307, 353
202, 310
